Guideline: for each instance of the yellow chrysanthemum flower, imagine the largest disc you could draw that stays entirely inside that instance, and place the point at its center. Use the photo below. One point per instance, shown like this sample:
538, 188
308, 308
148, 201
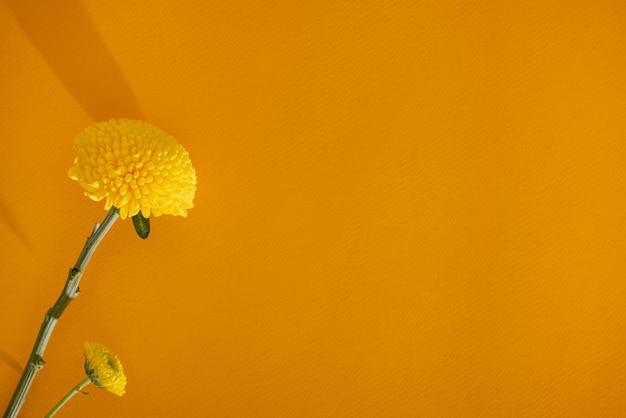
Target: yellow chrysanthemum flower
104, 369
136, 167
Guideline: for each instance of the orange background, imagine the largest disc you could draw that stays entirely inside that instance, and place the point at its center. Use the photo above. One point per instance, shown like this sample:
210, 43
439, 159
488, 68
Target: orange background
404, 208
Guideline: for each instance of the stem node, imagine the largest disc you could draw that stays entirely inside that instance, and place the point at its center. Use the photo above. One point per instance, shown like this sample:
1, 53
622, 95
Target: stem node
70, 291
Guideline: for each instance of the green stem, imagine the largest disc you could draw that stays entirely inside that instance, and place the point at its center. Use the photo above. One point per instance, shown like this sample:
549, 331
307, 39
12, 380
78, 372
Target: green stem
70, 291
77, 389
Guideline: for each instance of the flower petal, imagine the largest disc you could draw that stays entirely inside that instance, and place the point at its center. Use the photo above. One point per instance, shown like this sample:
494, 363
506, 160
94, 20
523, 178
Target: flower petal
134, 166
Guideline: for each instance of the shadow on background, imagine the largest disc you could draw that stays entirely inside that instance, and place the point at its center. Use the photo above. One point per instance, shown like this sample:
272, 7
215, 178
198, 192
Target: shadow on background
11, 362
66, 39
11, 221
64, 36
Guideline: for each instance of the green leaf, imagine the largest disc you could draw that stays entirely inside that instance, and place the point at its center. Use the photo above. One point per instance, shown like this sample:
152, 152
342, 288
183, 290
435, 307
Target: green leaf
142, 225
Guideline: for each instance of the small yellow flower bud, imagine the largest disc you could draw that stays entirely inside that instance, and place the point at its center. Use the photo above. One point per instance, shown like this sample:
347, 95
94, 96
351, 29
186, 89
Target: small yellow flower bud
104, 369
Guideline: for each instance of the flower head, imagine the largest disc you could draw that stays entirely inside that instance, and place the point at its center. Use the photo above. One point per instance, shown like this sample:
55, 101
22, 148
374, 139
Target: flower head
104, 369
136, 167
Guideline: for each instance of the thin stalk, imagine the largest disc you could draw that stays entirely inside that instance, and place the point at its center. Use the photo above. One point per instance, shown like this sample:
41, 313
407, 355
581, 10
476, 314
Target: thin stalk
77, 389
69, 293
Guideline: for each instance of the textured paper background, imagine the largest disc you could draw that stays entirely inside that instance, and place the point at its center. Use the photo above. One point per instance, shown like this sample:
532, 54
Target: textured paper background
404, 208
